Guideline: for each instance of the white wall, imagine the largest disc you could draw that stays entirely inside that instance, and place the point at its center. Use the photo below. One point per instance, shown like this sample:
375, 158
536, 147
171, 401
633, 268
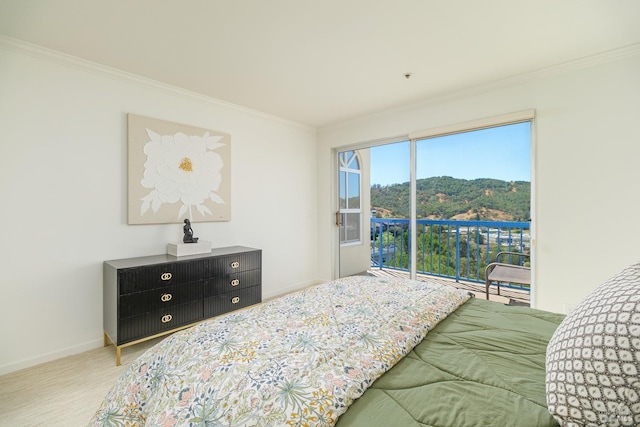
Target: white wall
63, 187
587, 156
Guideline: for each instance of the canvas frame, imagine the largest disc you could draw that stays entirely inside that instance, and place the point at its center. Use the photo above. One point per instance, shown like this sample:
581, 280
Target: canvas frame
177, 172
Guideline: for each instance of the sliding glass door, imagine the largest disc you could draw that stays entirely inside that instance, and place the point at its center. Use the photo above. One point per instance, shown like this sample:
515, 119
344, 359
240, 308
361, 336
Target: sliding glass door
440, 205
473, 199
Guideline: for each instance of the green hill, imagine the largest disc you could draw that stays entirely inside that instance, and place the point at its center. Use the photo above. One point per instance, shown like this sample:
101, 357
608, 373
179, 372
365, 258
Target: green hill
452, 198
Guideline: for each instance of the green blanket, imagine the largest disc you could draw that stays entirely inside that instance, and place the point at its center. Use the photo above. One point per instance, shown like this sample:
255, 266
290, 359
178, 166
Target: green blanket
484, 365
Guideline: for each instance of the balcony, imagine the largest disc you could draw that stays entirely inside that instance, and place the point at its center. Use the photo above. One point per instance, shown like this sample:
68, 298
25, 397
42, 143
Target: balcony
451, 252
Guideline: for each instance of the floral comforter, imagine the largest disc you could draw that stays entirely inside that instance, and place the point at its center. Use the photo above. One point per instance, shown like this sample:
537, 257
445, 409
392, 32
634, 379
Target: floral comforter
299, 360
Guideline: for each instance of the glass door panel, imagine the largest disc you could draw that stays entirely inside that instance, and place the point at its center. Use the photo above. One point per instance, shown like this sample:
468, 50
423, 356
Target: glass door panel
390, 206
473, 199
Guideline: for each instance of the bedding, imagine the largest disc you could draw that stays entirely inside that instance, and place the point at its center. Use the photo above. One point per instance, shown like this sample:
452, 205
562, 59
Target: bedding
484, 365
299, 360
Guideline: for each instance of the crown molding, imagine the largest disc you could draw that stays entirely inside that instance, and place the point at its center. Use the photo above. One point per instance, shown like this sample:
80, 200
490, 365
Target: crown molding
84, 65
53, 56
515, 80
573, 65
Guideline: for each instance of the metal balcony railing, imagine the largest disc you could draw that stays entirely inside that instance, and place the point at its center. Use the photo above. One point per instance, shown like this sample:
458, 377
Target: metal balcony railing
453, 249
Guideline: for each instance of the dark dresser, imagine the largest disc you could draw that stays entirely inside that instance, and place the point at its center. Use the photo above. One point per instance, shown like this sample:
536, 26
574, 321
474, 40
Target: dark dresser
146, 297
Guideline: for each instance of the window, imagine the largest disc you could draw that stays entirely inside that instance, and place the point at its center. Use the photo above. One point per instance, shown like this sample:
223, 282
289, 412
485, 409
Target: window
350, 205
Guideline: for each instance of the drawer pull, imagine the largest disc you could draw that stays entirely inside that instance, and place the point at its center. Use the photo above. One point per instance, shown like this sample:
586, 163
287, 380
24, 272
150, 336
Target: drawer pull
166, 297
166, 276
235, 282
167, 318
235, 300
235, 264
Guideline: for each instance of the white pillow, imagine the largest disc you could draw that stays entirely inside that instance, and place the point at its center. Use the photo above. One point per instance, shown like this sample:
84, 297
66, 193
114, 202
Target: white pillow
593, 358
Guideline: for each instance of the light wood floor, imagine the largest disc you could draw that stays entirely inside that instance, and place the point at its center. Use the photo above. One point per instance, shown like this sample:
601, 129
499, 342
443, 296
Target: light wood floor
65, 392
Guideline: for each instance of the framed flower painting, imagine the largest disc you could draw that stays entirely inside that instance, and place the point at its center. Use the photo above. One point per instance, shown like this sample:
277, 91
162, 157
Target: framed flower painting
177, 172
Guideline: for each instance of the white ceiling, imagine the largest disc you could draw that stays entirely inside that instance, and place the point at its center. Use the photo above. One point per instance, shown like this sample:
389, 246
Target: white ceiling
320, 62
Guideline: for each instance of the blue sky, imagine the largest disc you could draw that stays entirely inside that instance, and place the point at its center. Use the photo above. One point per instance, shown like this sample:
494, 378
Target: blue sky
501, 152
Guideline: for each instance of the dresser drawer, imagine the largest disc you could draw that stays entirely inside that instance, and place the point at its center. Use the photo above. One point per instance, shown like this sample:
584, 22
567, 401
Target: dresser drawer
232, 282
156, 276
143, 325
150, 296
219, 304
230, 264
160, 298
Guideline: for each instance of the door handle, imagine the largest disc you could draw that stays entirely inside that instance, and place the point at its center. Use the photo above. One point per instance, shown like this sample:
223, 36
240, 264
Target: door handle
338, 218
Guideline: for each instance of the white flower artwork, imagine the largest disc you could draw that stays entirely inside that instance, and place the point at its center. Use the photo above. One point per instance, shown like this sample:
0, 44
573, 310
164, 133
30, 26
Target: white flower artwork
177, 172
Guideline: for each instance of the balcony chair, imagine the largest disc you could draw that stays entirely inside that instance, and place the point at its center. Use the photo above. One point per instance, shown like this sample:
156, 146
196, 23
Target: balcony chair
500, 272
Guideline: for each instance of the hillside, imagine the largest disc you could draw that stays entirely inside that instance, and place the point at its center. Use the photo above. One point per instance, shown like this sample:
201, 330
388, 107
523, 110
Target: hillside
452, 198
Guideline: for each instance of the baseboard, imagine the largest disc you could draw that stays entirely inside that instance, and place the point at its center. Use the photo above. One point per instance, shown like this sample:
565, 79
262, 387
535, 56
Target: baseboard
289, 289
48, 357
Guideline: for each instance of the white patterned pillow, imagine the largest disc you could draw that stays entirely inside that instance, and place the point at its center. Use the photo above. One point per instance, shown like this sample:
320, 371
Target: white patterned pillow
593, 358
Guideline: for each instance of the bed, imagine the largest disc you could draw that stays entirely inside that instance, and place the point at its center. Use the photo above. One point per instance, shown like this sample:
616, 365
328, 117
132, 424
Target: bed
358, 351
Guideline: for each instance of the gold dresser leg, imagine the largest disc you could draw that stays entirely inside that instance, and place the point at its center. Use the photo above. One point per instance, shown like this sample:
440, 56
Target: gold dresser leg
107, 342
